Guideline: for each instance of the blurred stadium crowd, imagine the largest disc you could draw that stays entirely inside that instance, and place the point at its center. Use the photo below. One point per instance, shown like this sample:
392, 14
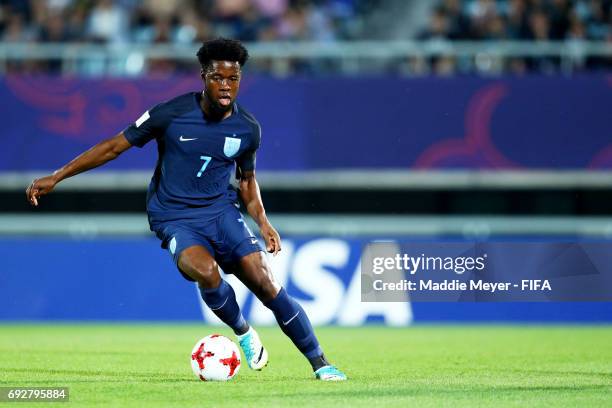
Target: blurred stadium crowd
187, 22
537, 20
571, 21
179, 21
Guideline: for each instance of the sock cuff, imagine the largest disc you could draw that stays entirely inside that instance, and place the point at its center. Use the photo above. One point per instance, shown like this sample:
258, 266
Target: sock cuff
281, 296
241, 336
216, 298
221, 288
317, 352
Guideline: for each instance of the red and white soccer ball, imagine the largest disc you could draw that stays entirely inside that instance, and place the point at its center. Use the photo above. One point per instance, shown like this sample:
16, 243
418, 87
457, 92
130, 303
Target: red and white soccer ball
215, 358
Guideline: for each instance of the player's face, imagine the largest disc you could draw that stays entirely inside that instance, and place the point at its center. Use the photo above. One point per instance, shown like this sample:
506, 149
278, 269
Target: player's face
221, 82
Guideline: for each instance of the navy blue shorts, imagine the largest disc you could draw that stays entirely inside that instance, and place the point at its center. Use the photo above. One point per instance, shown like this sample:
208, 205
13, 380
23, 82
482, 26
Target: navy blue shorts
226, 237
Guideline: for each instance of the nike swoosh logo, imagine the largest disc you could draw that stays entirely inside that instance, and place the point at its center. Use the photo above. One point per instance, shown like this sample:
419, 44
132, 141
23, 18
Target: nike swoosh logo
289, 321
226, 299
260, 355
184, 139
253, 240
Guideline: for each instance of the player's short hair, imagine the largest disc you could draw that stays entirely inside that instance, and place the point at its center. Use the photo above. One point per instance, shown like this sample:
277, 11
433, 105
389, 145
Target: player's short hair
222, 49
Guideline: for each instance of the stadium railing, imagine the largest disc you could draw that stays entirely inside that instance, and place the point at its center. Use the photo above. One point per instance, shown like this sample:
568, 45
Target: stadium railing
91, 226
105, 180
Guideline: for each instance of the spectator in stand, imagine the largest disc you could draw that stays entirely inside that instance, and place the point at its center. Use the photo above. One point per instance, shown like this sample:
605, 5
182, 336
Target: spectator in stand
458, 22
438, 28
108, 23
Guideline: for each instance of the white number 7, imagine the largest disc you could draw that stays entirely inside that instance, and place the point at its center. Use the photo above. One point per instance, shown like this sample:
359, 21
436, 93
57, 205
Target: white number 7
206, 161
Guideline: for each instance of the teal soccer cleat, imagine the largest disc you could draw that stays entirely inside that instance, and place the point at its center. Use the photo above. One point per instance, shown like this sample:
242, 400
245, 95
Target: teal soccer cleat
255, 353
329, 373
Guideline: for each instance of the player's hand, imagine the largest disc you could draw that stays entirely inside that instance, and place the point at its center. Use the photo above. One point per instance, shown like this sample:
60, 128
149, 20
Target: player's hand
273, 241
40, 187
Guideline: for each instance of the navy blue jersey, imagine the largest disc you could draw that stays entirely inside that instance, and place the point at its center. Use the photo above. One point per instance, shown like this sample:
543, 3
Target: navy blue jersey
196, 157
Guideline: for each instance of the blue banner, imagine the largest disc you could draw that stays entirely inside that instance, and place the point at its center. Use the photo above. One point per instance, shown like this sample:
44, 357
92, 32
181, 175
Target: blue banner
133, 279
334, 123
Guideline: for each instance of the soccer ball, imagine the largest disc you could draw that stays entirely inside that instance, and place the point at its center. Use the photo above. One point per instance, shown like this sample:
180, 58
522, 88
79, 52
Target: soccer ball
215, 358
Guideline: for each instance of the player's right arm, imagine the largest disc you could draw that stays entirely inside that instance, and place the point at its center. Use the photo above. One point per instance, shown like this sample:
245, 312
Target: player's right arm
99, 154
151, 124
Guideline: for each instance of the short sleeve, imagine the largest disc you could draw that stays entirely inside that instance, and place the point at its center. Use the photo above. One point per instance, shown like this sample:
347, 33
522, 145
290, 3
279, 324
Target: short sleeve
246, 161
147, 127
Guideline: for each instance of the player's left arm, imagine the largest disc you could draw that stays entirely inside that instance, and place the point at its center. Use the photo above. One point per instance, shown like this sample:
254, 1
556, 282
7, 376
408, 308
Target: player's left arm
251, 197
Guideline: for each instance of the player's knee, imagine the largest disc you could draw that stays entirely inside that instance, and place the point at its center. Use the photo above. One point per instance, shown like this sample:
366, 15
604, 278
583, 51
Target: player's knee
206, 273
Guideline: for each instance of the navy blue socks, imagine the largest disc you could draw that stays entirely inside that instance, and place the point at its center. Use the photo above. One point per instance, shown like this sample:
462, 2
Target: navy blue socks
289, 314
295, 324
222, 301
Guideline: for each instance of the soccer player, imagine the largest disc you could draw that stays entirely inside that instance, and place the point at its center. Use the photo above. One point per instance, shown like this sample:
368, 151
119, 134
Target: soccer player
202, 139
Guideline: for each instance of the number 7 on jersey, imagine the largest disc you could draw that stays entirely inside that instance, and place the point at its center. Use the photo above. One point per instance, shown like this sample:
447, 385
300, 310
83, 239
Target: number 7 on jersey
206, 161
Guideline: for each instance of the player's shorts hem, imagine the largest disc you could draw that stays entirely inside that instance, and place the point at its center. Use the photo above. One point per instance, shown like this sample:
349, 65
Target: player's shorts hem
227, 239
246, 247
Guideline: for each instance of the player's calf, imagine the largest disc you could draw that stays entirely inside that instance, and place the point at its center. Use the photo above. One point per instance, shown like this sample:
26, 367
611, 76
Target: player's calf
222, 301
219, 296
257, 275
294, 322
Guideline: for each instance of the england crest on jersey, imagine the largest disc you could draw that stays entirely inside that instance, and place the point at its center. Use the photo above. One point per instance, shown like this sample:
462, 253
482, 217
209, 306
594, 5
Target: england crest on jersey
231, 146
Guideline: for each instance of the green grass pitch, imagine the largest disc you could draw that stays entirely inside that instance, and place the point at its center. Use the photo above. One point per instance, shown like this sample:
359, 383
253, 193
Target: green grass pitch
148, 365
